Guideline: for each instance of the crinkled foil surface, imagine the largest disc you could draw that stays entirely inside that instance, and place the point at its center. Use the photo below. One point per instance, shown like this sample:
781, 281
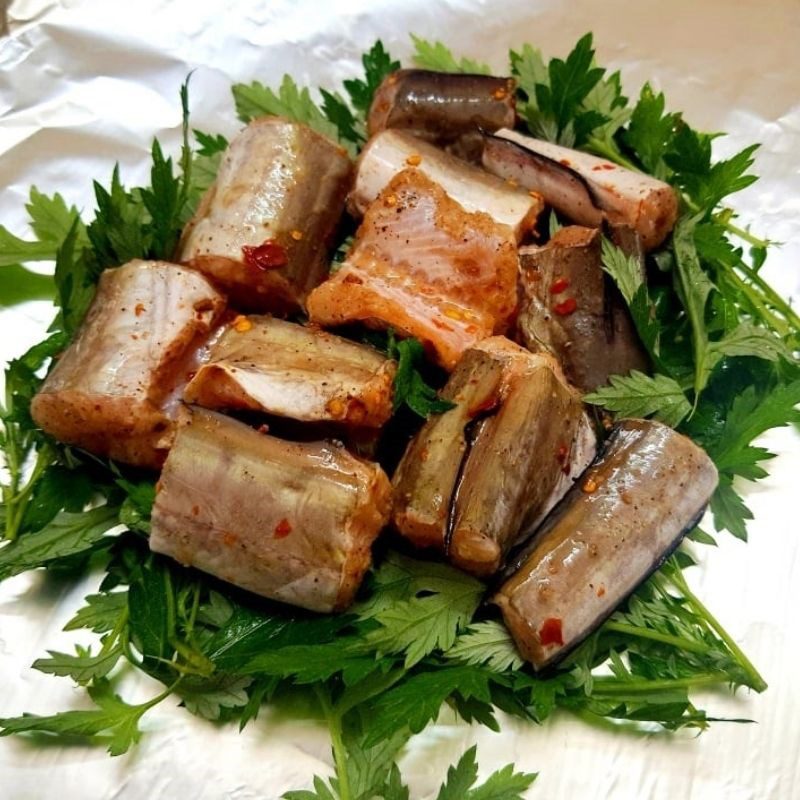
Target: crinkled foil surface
84, 84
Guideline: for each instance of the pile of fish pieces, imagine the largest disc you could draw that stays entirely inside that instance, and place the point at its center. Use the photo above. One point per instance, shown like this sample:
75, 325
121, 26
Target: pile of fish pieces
510, 484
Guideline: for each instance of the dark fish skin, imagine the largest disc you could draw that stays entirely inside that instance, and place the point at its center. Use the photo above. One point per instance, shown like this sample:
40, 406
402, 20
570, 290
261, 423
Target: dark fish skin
280, 189
585, 189
445, 108
292, 521
624, 516
594, 339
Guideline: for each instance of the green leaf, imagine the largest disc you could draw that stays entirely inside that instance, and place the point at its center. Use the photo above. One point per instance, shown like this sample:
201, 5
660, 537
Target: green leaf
417, 700
436, 56
488, 644
19, 285
729, 510
74, 280
410, 387
695, 287
58, 489
101, 612
256, 100
504, 784
350, 127
14, 250
207, 698
151, 609
626, 270
377, 65
67, 535
640, 395
435, 603
650, 131
82, 667
164, 201
51, 219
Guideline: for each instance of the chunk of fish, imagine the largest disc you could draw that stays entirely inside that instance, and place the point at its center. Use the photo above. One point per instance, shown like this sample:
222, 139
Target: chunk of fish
582, 187
493, 466
391, 151
424, 266
290, 521
648, 487
446, 108
572, 310
264, 229
115, 390
281, 368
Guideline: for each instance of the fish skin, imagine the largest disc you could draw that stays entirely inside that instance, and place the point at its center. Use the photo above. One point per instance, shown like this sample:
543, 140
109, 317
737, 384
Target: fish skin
425, 267
290, 521
628, 511
278, 182
114, 390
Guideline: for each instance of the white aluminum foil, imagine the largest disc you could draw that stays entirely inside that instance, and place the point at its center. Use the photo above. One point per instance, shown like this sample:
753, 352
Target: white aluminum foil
84, 84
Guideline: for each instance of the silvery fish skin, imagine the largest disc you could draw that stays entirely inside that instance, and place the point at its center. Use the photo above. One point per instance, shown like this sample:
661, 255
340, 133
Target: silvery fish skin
477, 475
448, 109
585, 189
571, 309
266, 364
115, 390
264, 229
290, 521
424, 266
647, 488
392, 151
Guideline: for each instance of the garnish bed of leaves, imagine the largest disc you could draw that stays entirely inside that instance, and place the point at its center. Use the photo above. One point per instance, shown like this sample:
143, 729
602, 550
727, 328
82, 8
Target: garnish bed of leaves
723, 345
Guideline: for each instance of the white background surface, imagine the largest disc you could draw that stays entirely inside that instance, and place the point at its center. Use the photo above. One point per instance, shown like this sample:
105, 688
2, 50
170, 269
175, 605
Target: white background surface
85, 83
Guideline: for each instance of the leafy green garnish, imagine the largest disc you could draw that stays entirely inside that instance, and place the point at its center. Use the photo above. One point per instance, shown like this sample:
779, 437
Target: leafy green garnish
410, 388
436, 56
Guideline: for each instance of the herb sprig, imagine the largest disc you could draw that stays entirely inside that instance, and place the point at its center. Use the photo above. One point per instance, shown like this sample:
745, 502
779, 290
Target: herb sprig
722, 343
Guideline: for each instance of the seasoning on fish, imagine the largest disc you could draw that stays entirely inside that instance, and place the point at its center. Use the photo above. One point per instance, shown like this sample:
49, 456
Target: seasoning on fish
425, 267
571, 309
288, 370
585, 189
448, 109
392, 151
115, 391
497, 462
290, 521
649, 486
264, 229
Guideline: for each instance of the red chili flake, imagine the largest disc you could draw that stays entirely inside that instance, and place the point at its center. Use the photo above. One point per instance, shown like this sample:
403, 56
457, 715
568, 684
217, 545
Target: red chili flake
283, 529
268, 255
558, 285
566, 308
550, 632
561, 453
139, 310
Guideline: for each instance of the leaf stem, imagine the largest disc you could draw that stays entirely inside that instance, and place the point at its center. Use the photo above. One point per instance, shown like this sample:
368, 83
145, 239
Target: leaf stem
606, 685
656, 636
756, 682
603, 149
16, 498
339, 751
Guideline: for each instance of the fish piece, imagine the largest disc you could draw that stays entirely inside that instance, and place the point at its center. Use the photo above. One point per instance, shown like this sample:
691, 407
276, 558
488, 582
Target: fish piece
571, 309
115, 390
266, 364
392, 151
290, 521
584, 188
264, 229
446, 108
427, 474
524, 456
478, 474
646, 489
424, 266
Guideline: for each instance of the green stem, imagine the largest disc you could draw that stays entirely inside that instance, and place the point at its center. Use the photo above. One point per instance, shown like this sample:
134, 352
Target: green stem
773, 298
116, 632
16, 499
603, 685
339, 751
740, 232
756, 682
656, 636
